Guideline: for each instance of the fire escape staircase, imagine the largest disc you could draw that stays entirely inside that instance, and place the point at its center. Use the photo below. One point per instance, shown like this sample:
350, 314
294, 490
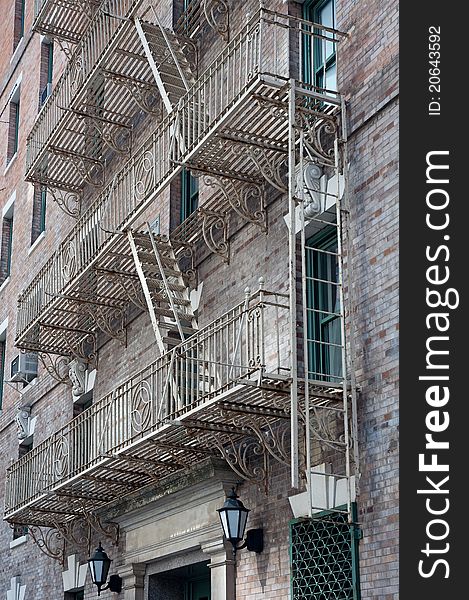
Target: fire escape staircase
170, 67
165, 291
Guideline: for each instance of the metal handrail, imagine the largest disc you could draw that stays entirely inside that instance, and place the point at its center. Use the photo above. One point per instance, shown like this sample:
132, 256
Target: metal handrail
160, 157
216, 358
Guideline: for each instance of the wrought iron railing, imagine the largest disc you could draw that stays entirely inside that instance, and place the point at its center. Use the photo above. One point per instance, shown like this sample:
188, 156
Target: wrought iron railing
232, 348
215, 13
259, 49
79, 68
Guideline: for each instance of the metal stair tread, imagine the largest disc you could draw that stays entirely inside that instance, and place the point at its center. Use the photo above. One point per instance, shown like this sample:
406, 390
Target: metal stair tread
168, 312
149, 258
157, 297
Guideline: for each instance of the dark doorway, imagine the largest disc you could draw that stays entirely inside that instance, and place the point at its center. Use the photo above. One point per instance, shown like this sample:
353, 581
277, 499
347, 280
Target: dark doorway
185, 583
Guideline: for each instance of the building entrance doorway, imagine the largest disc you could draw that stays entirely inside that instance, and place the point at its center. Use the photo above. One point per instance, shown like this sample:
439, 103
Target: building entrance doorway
185, 583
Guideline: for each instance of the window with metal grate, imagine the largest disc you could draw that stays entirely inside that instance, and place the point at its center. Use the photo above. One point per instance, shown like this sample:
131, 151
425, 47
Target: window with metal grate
324, 558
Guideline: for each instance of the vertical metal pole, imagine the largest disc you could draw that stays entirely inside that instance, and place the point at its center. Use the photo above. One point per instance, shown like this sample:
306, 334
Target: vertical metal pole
309, 488
342, 331
351, 304
292, 285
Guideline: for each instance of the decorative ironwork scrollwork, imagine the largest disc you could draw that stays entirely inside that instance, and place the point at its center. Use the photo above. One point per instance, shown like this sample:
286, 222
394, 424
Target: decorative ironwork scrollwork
141, 406
85, 349
145, 96
144, 174
69, 261
77, 70
68, 201
91, 170
271, 166
49, 541
319, 133
56, 366
273, 434
129, 287
254, 322
116, 135
61, 457
110, 319
211, 223
241, 456
109, 529
326, 428
239, 196
217, 14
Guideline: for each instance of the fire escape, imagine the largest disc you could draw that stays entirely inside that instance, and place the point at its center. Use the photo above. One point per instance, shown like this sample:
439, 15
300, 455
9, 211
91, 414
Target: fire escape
247, 126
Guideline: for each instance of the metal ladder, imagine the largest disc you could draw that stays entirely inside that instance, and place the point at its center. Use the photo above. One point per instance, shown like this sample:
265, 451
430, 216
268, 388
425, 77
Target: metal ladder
165, 291
170, 67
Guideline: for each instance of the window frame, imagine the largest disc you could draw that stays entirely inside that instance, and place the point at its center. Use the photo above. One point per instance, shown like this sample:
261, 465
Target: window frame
18, 34
355, 536
3, 348
189, 194
320, 303
314, 74
37, 231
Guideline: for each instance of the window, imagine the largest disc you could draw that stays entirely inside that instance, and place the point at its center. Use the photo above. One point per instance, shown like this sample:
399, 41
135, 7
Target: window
323, 307
39, 212
45, 76
19, 530
319, 54
13, 126
7, 240
189, 194
2, 363
324, 558
18, 27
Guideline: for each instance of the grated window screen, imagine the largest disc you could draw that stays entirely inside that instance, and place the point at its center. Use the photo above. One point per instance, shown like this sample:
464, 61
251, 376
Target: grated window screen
323, 559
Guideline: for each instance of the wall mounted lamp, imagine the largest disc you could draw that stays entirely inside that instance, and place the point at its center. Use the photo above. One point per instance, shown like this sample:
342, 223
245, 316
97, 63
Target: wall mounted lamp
233, 517
99, 565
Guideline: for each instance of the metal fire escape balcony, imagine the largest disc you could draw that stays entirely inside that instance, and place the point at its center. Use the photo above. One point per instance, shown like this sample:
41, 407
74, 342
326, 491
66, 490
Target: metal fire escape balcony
228, 383
233, 127
64, 20
121, 65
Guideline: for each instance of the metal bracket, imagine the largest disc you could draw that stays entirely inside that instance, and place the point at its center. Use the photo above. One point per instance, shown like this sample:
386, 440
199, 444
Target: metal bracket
56, 366
117, 136
146, 96
128, 285
90, 169
320, 130
68, 201
239, 196
217, 14
211, 223
109, 319
50, 542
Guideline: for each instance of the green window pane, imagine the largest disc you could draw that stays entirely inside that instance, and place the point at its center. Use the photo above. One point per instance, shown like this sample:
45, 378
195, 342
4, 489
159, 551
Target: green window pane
319, 57
189, 194
323, 307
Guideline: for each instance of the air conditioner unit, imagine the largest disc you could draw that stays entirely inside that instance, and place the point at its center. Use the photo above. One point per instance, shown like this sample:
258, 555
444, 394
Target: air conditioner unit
24, 367
310, 180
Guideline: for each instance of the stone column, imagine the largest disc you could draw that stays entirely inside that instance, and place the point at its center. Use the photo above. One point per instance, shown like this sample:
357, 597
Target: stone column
133, 580
222, 568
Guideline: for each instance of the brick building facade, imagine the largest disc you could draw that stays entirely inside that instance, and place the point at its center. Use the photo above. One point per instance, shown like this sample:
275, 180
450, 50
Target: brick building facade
150, 403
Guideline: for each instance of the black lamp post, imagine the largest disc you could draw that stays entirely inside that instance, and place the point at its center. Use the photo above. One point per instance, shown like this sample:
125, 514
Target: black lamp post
99, 565
233, 517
